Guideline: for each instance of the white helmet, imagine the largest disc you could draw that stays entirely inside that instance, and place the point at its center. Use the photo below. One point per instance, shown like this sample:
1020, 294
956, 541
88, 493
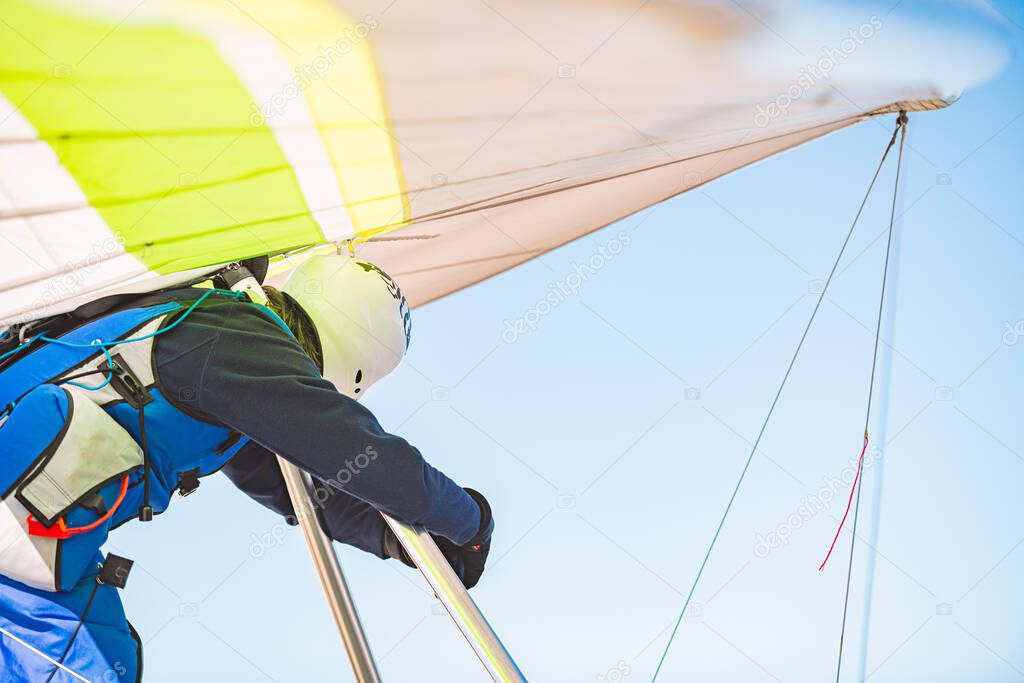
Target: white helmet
360, 315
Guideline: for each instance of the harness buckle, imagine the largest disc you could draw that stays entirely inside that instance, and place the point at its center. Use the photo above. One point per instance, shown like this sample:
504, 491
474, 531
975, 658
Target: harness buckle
127, 384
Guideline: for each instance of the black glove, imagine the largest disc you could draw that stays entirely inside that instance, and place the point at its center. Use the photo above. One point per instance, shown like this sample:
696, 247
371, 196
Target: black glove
467, 560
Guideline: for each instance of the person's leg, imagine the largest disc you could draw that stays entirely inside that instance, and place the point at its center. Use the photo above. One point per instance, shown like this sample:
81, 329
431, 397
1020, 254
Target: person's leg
344, 518
79, 635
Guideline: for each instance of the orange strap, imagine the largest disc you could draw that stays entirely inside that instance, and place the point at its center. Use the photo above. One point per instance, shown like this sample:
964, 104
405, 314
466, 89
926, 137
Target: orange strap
61, 531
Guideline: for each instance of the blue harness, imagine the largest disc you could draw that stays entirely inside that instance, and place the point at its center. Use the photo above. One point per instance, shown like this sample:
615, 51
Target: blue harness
89, 440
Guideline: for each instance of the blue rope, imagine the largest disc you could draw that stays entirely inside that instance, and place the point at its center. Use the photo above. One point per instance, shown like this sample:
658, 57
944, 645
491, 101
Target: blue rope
110, 375
130, 340
19, 348
105, 346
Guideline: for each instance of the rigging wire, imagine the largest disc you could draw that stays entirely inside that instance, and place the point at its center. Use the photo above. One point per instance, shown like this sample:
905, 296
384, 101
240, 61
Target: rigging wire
901, 127
732, 499
77, 676
873, 506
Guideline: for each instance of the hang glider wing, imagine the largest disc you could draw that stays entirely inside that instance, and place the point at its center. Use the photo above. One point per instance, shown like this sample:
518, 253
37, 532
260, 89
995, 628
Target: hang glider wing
143, 144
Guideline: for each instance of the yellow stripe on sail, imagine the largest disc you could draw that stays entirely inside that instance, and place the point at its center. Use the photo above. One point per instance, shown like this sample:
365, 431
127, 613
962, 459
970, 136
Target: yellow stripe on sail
334, 72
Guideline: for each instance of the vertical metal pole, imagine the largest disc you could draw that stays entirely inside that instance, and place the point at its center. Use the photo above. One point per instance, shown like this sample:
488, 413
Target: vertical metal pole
885, 399
326, 562
424, 554
321, 547
453, 596
435, 569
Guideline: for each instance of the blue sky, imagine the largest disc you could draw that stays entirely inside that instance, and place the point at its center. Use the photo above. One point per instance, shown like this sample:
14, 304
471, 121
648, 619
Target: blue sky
609, 437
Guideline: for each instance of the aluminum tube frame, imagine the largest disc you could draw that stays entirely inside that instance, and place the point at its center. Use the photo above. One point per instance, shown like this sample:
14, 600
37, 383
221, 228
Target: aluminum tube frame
339, 599
486, 645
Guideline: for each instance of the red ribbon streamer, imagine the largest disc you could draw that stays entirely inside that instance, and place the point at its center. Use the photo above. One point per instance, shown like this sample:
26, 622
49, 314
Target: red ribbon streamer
856, 479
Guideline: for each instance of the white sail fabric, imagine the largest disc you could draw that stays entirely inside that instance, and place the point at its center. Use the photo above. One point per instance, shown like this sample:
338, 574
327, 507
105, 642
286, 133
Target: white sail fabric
451, 140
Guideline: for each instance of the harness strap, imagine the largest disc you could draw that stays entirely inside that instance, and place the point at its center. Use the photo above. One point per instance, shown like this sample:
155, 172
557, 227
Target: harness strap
146, 511
120, 376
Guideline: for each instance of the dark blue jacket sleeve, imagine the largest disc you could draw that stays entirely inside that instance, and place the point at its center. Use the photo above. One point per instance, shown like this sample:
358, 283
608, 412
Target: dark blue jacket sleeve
256, 472
232, 364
